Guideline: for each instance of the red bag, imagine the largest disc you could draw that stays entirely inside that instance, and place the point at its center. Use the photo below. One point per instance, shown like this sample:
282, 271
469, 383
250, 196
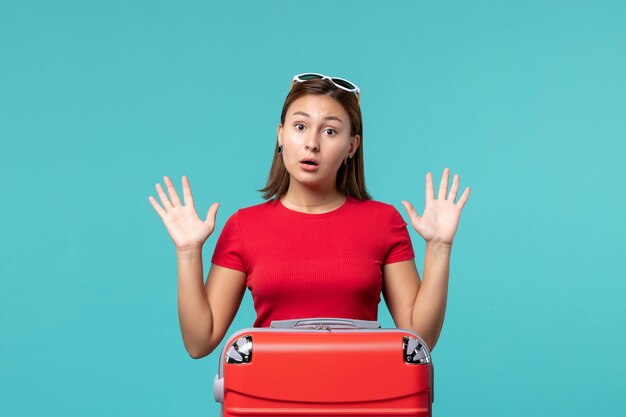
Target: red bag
324, 367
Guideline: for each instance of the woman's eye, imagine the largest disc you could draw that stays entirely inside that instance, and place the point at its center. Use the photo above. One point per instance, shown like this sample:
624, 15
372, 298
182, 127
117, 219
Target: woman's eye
332, 130
298, 124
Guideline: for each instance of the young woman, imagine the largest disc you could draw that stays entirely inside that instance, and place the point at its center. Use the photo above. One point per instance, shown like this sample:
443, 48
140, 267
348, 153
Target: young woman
320, 246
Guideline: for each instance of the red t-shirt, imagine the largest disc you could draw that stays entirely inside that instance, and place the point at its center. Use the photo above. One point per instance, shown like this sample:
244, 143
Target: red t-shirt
301, 265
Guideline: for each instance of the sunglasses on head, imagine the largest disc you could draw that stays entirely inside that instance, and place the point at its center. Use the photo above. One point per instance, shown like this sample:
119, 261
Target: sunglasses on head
339, 82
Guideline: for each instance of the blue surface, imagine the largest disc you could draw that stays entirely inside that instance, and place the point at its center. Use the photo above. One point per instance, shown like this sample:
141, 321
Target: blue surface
99, 100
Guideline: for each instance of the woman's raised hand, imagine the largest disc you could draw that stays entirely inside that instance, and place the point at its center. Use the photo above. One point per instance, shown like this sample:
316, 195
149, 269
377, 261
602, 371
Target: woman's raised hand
186, 229
440, 219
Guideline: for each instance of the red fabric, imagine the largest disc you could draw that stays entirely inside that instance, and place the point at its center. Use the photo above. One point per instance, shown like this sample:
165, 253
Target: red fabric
301, 265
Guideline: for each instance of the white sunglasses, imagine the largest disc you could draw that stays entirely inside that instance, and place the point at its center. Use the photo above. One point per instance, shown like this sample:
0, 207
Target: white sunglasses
339, 82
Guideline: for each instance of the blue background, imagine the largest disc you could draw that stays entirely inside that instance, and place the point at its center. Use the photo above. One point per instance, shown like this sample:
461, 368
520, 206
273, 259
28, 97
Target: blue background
99, 100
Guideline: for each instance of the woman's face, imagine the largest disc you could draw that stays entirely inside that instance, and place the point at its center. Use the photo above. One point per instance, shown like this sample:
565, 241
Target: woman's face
316, 127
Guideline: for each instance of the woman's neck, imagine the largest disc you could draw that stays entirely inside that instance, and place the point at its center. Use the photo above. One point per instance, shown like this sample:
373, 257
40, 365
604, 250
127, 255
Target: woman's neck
312, 201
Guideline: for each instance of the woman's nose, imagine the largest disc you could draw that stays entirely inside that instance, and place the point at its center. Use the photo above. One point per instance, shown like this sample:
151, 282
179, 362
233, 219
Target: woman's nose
312, 143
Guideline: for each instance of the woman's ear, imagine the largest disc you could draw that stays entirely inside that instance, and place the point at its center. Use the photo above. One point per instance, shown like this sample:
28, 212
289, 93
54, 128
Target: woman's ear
355, 141
279, 132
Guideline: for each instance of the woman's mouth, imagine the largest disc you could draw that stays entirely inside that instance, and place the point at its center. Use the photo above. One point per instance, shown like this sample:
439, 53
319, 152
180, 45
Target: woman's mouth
309, 166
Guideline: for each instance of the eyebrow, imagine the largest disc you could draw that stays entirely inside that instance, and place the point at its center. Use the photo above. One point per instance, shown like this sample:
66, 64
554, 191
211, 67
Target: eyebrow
325, 118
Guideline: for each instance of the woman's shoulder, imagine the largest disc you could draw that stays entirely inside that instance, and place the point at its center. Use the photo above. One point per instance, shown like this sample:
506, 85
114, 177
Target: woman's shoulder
256, 209
374, 207
373, 204
247, 215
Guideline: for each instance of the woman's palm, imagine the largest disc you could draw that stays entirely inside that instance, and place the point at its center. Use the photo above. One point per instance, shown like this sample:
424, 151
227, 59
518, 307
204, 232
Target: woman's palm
183, 224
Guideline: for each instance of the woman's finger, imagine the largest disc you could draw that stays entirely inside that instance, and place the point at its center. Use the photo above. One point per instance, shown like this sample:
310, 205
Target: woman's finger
166, 203
415, 218
430, 192
443, 186
172, 191
463, 198
187, 192
212, 214
156, 206
454, 189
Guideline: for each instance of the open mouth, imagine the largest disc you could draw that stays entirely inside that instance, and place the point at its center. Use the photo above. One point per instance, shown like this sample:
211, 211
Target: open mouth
310, 161
309, 165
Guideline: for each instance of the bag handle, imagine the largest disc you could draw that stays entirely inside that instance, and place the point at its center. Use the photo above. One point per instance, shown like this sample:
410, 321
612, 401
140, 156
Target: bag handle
325, 323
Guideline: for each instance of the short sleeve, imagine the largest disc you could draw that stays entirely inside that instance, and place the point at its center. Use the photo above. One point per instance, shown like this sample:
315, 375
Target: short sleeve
399, 247
229, 247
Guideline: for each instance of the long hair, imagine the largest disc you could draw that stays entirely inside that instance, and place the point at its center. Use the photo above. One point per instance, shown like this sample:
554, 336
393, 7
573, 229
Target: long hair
351, 178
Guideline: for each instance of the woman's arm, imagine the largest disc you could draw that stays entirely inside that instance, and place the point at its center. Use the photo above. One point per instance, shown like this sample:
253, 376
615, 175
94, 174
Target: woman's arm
437, 225
419, 306
205, 312
429, 308
194, 311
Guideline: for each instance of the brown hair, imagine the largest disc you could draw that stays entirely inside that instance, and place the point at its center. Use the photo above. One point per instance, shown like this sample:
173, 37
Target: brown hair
350, 179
